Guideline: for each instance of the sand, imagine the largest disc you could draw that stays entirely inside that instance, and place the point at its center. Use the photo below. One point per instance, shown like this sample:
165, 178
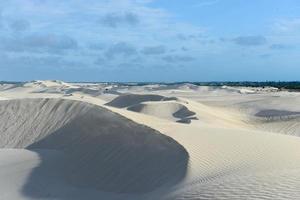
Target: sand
98, 141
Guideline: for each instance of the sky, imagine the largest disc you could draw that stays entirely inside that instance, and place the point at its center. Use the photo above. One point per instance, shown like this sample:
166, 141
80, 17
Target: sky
150, 40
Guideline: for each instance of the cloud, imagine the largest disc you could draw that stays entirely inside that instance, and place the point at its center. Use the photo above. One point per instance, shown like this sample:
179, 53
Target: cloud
79, 29
185, 37
1, 18
177, 58
96, 46
38, 43
250, 40
223, 39
287, 25
20, 25
40, 61
100, 61
154, 50
184, 49
280, 46
51, 41
114, 20
121, 48
265, 56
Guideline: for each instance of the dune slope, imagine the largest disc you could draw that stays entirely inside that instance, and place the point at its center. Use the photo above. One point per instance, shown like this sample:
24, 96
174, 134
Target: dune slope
103, 150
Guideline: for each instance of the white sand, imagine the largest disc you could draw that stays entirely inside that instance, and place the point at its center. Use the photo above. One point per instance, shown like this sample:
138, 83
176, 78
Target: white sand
172, 111
81, 150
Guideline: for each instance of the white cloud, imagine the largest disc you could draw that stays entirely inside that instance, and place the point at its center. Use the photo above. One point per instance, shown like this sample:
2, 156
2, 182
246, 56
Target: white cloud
128, 29
287, 25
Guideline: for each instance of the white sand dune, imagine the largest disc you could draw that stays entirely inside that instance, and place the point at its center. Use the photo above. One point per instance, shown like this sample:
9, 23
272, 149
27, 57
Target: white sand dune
88, 146
253, 162
102, 150
167, 110
274, 113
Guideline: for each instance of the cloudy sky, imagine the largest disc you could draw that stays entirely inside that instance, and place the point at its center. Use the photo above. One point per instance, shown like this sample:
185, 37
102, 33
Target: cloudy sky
150, 40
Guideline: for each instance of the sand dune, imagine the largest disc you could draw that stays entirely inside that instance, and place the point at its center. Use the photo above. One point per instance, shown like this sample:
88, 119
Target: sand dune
103, 150
167, 110
91, 145
250, 162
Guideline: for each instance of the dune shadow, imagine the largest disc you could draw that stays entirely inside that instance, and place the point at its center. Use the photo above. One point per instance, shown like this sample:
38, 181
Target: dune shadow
276, 113
107, 152
46, 180
129, 99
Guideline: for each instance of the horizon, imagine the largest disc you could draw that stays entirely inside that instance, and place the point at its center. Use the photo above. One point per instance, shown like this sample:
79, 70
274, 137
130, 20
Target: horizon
158, 82
150, 41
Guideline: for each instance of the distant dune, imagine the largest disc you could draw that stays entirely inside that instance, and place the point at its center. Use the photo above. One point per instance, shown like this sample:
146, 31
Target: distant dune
166, 110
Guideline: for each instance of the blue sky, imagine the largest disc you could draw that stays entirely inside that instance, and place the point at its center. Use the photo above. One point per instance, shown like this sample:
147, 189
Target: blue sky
150, 40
